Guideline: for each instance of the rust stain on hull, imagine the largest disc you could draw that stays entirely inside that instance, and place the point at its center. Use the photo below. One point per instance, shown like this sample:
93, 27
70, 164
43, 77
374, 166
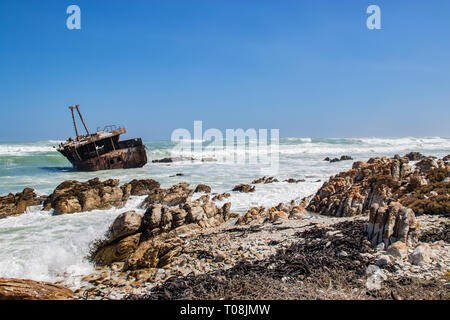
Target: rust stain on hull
102, 150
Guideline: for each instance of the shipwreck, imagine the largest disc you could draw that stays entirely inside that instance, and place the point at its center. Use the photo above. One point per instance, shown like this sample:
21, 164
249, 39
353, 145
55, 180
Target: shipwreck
102, 150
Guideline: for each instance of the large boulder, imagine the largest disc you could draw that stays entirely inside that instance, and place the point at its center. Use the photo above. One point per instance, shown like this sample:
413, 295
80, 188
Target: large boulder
127, 223
20, 289
175, 195
16, 204
203, 188
108, 253
143, 187
75, 196
392, 223
415, 156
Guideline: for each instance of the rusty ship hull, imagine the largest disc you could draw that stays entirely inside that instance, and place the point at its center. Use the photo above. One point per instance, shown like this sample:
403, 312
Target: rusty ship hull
126, 158
103, 150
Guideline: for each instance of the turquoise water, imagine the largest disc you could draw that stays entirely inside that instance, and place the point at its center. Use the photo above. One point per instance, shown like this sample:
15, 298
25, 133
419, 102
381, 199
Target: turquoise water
40, 246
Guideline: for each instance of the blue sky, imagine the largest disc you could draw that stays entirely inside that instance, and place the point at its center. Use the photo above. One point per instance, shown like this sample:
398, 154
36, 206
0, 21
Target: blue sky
309, 68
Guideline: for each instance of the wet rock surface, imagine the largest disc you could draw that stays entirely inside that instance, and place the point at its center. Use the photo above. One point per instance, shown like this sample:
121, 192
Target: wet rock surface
16, 204
265, 180
143, 187
173, 159
74, 196
342, 158
244, 188
175, 195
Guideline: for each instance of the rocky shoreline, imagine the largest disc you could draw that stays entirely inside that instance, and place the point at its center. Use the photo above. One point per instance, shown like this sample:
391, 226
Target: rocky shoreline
377, 231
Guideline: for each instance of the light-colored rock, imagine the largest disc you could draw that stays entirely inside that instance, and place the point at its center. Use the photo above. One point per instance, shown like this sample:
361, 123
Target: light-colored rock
398, 250
421, 255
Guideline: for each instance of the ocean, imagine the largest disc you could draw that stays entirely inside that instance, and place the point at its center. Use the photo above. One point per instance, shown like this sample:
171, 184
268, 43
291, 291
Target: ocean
39, 246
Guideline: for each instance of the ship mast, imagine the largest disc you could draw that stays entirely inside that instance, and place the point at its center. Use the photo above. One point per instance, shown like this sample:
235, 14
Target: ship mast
74, 121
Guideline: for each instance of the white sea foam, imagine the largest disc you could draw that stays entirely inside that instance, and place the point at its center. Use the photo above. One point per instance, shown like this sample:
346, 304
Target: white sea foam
40, 246
22, 150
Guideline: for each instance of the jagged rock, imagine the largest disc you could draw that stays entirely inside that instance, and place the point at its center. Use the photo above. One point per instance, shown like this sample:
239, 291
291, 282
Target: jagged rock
265, 180
446, 159
282, 212
13, 205
414, 156
203, 188
389, 224
221, 196
21, 289
352, 192
176, 195
429, 163
152, 241
244, 188
342, 158
74, 196
143, 187
254, 213
297, 212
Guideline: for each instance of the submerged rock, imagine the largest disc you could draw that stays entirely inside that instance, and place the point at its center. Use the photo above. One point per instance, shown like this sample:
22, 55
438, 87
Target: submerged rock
244, 188
265, 180
221, 196
342, 158
173, 159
